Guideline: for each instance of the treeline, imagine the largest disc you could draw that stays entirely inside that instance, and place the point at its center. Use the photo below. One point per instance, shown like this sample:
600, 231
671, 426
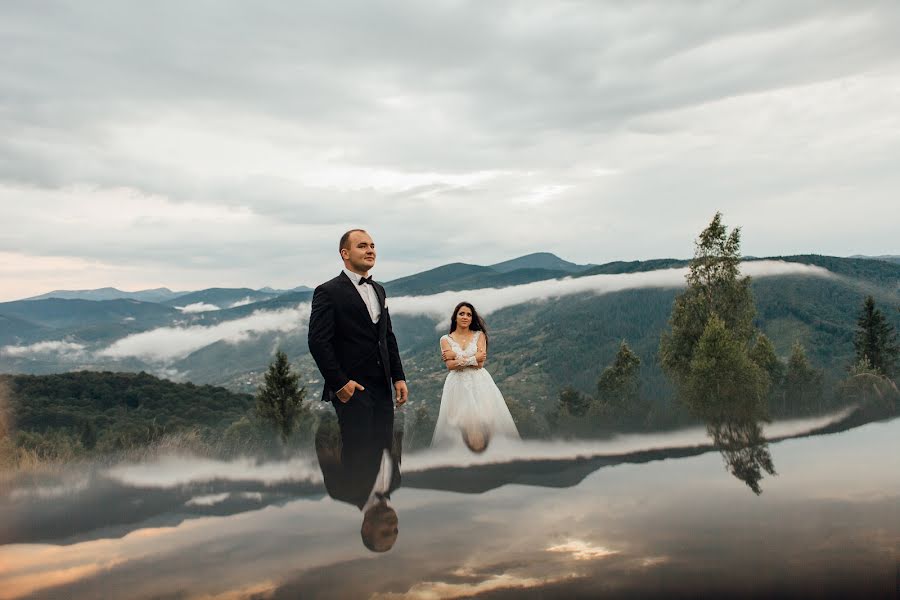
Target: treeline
56, 418
723, 367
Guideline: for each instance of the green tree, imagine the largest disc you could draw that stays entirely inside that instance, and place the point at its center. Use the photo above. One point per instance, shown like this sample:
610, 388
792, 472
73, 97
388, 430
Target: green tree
723, 382
876, 341
568, 414
279, 401
573, 402
529, 424
246, 436
763, 354
802, 383
867, 387
714, 288
618, 388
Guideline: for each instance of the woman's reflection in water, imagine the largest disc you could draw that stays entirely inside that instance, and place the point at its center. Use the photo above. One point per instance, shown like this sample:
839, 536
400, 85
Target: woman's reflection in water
362, 472
476, 437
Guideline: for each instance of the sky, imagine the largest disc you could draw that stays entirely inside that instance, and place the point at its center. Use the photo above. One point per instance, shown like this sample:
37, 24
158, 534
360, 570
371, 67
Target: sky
191, 145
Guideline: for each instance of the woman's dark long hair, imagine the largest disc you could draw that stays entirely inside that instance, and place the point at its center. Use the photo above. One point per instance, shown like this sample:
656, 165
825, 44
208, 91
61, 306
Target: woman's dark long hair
477, 322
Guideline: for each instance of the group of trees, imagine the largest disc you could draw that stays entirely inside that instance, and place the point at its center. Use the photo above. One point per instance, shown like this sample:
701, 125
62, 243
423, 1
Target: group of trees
61, 417
616, 404
281, 419
721, 365
871, 379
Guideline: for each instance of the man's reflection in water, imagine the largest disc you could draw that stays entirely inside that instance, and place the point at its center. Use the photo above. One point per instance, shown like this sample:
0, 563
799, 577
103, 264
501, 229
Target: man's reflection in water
363, 470
745, 450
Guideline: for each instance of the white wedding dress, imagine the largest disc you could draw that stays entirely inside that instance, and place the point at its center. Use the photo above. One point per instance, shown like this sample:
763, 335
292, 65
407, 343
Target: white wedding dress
471, 403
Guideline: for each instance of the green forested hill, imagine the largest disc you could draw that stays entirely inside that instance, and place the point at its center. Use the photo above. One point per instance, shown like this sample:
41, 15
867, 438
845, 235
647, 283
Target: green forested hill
634, 266
435, 280
874, 271
116, 410
539, 260
14, 330
487, 280
59, 313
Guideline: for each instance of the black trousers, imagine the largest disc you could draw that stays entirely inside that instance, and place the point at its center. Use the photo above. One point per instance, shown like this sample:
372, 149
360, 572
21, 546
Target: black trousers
366, 420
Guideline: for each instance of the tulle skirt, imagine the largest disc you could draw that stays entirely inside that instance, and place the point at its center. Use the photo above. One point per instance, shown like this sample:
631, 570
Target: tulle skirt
472, 411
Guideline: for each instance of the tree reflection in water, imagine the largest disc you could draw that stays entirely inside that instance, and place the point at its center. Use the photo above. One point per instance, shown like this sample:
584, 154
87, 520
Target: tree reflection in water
744, 449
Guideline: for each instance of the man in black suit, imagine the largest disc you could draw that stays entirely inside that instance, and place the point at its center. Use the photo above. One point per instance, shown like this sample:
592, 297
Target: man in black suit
353, 344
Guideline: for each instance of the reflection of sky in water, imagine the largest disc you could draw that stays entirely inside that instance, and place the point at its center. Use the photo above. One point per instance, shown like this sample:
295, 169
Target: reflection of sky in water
830, 516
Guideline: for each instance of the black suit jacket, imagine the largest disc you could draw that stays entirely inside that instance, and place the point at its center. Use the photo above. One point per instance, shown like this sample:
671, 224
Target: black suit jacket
343, 340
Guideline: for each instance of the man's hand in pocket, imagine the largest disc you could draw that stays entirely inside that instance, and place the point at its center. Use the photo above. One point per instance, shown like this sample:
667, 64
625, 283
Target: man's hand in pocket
345, 393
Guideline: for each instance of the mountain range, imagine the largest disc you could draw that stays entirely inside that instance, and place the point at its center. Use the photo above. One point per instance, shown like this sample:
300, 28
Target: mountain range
894, 258
540, 340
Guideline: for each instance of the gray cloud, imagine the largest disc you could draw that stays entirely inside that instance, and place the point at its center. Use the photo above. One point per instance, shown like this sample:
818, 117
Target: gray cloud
165, 344
454, 131
69, 349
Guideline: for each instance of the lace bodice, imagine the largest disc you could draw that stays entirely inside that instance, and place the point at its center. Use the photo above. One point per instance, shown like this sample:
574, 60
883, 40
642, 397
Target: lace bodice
470, 349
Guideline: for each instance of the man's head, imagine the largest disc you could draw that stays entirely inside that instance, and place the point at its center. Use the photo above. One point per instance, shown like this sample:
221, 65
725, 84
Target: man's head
358, 251
379, 528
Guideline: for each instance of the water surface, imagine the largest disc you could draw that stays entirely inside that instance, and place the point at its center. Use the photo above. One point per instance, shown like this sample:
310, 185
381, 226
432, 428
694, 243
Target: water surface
658, 515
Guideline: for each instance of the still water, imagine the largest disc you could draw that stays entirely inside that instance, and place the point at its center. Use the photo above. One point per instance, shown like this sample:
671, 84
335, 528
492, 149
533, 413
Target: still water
662, 515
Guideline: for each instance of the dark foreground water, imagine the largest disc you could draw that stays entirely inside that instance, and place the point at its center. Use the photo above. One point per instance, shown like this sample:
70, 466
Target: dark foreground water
659, 516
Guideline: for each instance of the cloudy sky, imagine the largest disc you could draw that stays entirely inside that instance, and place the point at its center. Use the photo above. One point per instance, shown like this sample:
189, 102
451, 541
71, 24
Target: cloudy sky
205, 144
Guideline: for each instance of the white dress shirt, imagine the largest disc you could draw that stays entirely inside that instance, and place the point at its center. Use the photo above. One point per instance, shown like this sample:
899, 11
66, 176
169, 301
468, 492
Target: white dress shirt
367, 293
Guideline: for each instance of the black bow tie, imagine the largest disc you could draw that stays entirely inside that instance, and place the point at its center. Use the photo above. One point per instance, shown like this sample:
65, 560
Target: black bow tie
368, 280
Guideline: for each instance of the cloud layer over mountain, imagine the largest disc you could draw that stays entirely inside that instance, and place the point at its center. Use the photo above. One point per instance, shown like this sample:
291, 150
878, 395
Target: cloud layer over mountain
170, 343
166, 344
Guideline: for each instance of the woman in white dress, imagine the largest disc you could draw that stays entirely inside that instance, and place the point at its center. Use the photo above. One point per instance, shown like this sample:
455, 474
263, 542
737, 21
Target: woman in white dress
472, 408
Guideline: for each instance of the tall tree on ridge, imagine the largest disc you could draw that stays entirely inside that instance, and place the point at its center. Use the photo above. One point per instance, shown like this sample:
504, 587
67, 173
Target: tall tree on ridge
802, 383
718, 297
280, 400
618, 388
876, 341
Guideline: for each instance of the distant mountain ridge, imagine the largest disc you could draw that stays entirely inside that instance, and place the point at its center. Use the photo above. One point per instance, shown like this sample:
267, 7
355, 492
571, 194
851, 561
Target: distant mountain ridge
538, 266
165, 295
891, 258
539, 260
221, 297
270, 290
542, 265
530, 267
110, 293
